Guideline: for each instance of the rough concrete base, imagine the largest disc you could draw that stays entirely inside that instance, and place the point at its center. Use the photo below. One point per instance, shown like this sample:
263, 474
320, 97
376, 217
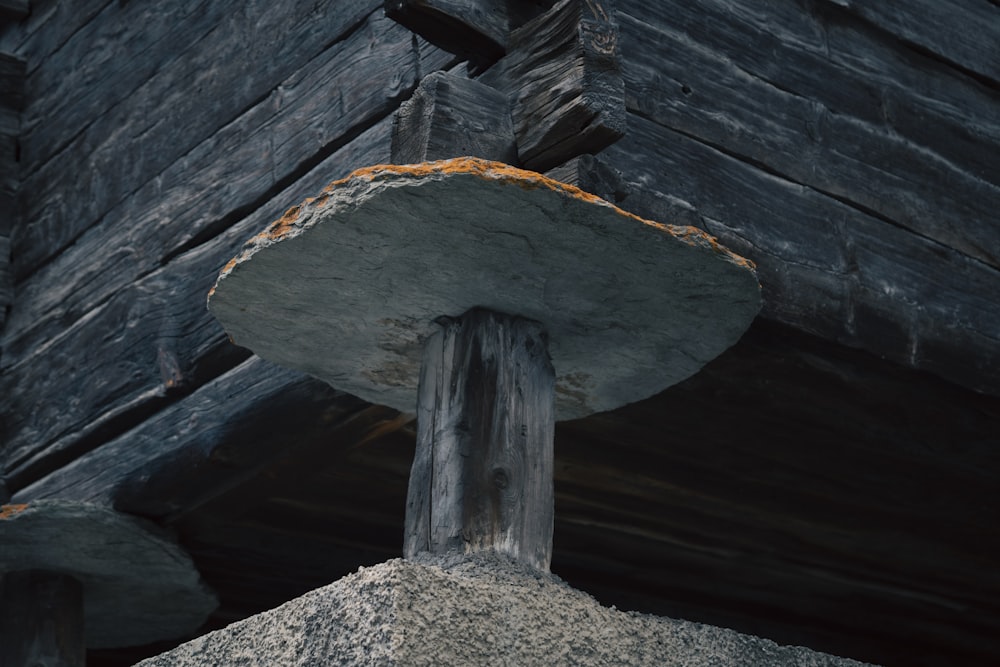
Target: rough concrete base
470, 612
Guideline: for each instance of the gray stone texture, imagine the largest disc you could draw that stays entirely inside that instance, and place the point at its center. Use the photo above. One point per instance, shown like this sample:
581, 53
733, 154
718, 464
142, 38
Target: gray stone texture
139, 586
346, 287
481, 610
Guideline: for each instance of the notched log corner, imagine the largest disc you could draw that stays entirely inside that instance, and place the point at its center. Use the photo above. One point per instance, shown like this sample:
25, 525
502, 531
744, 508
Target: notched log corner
475, 30
563, 76
452, 116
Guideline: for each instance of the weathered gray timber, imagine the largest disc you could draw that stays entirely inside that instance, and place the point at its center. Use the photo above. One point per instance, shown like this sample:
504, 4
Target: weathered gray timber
832, 496
563, 76
452, 116
235, 75
513, 242
826, 267
476, 30
141, 460
964, 33
174, 347
137, 585
43, 620
858, 159
477, 611
256, 155
842, 66
482, 472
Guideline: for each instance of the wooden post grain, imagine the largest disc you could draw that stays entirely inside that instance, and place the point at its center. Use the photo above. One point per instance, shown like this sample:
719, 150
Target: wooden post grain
41, 620
482, 472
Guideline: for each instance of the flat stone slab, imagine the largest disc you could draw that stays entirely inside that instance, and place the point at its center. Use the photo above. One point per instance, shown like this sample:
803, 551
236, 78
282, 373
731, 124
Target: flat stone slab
138, 586
484, 610
346, 286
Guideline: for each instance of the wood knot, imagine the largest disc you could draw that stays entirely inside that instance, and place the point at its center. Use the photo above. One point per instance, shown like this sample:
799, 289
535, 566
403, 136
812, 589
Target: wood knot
501, 479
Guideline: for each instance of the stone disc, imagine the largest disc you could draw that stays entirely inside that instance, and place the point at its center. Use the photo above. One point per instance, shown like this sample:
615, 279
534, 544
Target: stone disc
138, 586
346, 286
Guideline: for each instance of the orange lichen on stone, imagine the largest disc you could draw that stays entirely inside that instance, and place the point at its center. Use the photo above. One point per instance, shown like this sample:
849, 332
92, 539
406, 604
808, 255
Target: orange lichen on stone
8, 511
495, 171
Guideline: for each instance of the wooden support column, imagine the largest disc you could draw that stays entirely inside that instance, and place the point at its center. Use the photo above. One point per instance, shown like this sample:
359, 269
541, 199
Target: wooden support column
41, 620
482, 472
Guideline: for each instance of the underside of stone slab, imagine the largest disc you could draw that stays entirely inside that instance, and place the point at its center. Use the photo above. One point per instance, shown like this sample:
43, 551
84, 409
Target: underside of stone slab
471, 611
139, 586
347, 286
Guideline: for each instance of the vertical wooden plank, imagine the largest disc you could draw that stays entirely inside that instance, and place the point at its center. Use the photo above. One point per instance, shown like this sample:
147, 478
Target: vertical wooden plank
42, 620
482, 472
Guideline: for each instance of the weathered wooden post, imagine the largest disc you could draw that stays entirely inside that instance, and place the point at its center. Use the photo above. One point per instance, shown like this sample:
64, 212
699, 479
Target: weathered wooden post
494, 300
76, 575
482, 472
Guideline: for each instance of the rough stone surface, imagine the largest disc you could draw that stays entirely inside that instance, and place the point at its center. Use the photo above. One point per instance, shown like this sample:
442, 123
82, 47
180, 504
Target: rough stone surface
346, 286
138, 586
471, 611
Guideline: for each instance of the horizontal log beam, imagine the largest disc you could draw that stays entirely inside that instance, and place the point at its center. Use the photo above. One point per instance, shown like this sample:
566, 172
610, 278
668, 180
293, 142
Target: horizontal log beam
964, 33
475, 30
874, 145
825, 267
229, 75
173, 346
266, 146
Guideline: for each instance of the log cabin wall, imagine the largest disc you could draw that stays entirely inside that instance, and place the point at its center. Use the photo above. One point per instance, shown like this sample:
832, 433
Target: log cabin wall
830, 481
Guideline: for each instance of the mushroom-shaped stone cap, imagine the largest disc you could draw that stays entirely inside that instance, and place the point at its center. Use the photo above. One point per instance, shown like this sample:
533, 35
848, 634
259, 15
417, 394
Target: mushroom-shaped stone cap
138, 586
347, 286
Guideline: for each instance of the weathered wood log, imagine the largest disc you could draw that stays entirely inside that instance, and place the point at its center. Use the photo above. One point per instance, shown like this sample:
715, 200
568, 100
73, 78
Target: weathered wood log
268, 146
173, 349
233, 75
826, 267
42, 616
563, 75
963, 33
451, 116
475, 30
482, 471
774, 111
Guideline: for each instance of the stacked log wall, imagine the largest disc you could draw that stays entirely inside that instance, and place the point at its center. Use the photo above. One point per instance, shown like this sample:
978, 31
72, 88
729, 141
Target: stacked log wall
179, 130
851, 151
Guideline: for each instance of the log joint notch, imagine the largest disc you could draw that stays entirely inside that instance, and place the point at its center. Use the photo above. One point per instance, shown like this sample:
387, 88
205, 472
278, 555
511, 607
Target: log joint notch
561, 77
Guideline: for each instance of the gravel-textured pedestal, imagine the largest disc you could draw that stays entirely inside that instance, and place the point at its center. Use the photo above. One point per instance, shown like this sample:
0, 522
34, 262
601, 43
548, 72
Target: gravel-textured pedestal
483, 610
